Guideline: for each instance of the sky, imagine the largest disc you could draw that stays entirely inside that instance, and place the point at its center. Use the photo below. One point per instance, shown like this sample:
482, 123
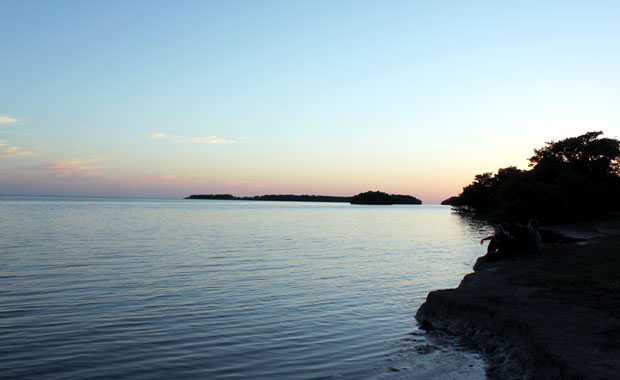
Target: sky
172, 98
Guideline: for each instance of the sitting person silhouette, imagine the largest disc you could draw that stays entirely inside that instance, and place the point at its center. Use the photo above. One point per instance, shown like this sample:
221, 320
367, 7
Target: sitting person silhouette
499, 245
533, 238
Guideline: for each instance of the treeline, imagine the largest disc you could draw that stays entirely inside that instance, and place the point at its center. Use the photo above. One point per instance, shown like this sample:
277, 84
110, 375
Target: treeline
571, 179
369, 197
450, 201
381, 198
274, 197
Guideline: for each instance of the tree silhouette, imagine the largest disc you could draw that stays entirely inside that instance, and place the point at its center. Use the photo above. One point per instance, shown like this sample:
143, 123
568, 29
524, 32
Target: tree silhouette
574, 178
381, 198
587, 154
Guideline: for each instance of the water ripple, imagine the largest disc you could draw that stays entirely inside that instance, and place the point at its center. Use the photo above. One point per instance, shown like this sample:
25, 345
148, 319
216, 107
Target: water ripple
153, 289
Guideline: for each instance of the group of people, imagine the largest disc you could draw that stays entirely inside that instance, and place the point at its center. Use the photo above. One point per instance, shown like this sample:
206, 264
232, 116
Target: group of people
512, 240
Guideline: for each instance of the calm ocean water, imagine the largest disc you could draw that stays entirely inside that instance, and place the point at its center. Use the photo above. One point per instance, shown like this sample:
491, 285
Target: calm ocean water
168, 289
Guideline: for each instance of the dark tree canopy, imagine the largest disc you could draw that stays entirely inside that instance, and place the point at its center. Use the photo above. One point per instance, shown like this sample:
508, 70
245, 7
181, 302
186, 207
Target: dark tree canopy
274, 197
381, 198
587, 153
370, 197
570, 179
450, 201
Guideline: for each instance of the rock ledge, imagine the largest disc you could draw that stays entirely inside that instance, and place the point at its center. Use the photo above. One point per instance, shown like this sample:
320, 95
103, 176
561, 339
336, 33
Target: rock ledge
554, 316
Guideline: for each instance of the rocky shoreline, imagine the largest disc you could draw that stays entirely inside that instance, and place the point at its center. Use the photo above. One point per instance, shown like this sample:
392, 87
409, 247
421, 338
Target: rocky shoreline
551, 316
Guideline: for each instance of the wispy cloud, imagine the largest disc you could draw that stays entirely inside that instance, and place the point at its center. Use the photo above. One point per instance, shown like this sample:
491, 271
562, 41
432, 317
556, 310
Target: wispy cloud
8, 151
194, 140
4, 119
211, 140
14, 151
77, 168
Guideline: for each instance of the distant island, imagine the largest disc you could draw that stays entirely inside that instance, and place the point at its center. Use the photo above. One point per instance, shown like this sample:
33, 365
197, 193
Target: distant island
274, 197
368, 198
380, 198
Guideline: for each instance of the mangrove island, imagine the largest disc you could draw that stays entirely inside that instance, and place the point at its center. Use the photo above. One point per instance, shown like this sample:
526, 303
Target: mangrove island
367, 198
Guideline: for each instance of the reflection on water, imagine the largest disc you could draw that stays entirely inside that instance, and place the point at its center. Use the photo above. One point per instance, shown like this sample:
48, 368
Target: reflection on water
114, 288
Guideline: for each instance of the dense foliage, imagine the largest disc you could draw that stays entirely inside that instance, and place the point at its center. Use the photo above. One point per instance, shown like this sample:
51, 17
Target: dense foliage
574, 178
369, 197
381, 198
450, 201
274, 197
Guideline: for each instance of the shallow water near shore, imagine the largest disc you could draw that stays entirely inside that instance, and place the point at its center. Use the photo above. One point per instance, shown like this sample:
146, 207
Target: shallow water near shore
143, 288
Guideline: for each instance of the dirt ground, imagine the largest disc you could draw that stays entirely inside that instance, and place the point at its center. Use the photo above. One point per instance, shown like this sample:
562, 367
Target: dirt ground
555, 315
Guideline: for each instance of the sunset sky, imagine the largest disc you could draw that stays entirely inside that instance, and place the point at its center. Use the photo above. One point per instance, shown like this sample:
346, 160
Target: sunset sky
171, 98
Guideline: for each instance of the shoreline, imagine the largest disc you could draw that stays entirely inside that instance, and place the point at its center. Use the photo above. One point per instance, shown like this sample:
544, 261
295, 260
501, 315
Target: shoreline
555, 315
